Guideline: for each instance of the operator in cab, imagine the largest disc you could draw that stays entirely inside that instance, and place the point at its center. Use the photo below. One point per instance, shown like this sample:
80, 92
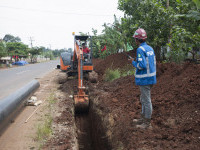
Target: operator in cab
85, 49
86, 52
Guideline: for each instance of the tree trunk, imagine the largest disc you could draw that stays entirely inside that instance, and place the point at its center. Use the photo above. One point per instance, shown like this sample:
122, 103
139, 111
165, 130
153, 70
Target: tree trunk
31, 59
167, 3
157, 53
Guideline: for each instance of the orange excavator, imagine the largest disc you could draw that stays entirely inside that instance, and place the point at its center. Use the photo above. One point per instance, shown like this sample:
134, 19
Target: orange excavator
65, 60
78, 63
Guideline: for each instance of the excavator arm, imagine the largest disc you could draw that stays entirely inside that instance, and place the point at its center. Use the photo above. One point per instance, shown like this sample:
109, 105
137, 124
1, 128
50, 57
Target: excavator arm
81, 99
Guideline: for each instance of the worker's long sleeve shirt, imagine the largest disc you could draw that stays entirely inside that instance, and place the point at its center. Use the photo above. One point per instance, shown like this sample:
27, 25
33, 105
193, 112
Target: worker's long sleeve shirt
145, 65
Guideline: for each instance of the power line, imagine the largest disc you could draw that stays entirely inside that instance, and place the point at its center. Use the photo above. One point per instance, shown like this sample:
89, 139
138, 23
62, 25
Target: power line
55, 12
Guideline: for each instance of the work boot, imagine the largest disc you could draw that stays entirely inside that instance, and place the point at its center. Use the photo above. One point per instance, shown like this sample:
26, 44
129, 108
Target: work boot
145, 125
138, 121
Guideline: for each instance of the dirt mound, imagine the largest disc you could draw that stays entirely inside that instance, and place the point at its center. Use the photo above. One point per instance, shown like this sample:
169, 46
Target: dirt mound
175, 100
176, 109
114, 61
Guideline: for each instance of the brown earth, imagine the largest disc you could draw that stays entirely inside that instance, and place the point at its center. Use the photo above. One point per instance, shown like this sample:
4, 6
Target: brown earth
176, 104
176, 108
175, 119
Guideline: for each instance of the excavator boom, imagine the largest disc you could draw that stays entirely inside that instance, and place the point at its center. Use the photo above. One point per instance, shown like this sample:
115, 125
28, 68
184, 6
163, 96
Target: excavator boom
81, 99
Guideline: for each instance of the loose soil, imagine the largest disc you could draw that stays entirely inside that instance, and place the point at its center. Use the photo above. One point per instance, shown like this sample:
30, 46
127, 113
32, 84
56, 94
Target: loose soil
176, 108
113, 106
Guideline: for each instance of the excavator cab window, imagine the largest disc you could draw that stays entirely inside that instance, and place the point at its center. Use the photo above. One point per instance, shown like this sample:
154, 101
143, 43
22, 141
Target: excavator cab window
85, 44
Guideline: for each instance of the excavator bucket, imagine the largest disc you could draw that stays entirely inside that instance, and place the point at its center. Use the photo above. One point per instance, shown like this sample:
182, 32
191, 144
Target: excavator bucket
81, 103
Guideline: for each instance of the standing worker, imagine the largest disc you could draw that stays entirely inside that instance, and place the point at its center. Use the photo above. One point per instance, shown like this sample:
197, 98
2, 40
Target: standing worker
145, 77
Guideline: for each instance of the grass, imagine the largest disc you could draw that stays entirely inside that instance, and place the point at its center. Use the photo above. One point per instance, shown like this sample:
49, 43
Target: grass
127, 71
112, 74
44, 129
51, 99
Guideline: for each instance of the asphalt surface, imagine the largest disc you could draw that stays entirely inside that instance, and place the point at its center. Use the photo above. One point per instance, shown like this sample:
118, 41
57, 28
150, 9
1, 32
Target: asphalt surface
14, 78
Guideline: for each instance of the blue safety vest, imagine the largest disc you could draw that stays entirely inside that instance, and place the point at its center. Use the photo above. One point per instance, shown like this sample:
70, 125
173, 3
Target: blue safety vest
145, 65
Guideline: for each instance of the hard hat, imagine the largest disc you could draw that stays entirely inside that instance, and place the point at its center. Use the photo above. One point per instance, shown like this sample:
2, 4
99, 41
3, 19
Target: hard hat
140, 34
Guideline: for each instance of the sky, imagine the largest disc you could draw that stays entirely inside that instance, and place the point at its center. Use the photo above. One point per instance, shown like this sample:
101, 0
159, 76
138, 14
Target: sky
50, 23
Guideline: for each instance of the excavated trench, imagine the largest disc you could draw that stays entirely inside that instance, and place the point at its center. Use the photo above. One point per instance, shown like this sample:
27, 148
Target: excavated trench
90, 130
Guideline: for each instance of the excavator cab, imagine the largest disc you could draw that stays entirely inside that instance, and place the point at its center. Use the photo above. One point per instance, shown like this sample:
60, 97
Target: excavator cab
87, 65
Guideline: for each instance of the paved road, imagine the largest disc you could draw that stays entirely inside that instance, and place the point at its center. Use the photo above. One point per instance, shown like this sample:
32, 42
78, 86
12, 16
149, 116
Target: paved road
15, 78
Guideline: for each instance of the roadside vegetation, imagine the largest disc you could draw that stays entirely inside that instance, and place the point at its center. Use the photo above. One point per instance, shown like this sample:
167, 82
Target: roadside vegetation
44, 129
13, 47
172, 26
112, 74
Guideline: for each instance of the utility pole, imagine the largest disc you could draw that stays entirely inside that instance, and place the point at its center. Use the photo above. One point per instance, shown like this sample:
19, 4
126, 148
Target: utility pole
31, 40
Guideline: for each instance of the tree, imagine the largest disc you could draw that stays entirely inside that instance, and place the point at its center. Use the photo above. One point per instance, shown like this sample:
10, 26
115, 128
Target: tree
185, 31
3, 50
177, 20
155, 18
49, 54
11, 38
34, 51
69, 50
112, 36
17, 48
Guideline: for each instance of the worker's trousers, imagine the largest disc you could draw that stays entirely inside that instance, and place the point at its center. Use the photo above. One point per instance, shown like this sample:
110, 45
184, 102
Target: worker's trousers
145, 99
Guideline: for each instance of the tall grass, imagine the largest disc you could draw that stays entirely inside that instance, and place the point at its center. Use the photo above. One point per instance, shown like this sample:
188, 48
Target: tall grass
44, 130
112, 74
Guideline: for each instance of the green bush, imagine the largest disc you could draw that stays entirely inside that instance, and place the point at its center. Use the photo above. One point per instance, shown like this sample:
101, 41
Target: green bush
1, 65
111, 75
127, 71
176, 56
